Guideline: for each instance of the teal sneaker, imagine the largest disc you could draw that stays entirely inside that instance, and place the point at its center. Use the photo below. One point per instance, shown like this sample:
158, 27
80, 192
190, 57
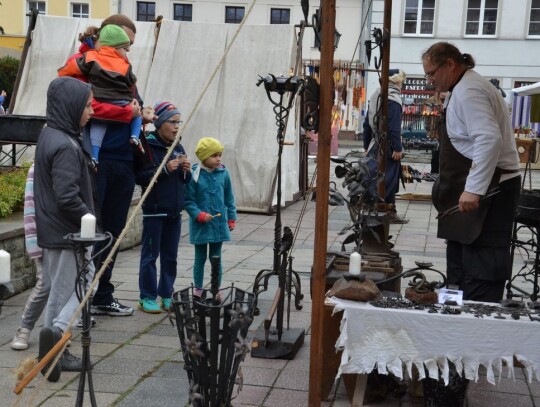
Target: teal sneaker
148, 305
166, 304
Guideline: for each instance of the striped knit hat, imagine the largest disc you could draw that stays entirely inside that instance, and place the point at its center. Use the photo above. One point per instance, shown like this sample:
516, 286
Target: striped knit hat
164, 110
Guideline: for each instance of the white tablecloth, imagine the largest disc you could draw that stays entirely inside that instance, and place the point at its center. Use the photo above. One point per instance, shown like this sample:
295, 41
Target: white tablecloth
393, 340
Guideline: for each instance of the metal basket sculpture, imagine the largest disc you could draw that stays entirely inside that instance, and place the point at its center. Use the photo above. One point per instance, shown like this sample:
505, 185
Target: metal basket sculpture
213, 341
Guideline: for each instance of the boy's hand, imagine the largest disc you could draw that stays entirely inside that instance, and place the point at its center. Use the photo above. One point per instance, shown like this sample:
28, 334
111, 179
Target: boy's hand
185, 163
173, 165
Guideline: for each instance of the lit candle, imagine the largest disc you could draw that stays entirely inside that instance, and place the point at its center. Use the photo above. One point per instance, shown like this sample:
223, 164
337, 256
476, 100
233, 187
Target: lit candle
5, 267
88, 226
355, 261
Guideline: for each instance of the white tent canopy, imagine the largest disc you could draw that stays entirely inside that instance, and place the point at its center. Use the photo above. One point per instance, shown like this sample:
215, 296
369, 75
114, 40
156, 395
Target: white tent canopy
233, 109
527, 90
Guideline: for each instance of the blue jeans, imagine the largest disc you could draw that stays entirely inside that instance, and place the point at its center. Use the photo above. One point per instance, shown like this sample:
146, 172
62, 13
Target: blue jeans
115, 181
160, 238
200, 259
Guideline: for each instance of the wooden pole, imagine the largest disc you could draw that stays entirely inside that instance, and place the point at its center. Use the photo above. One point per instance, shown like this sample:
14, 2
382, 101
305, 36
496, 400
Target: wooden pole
316, 368
43, 362
27, 42
385, 68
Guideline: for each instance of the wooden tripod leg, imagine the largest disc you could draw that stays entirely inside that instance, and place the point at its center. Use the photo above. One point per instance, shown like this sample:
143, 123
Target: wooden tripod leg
42, 363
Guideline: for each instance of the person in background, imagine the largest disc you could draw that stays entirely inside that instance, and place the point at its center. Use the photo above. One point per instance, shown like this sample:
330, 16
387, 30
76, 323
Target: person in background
394, 148
63, 194
211, 207
3, 95
162, 211
478, 157
436, 104
110, 74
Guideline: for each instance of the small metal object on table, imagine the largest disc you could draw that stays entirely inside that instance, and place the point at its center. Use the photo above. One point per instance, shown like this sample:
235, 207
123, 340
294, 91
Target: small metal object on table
79, 246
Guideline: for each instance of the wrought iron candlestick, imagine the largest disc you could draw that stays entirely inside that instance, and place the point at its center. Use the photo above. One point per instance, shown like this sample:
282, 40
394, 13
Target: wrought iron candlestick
283, 347
5, 289
79, 246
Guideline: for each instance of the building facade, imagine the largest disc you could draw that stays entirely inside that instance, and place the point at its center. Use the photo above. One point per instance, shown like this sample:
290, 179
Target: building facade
502, 35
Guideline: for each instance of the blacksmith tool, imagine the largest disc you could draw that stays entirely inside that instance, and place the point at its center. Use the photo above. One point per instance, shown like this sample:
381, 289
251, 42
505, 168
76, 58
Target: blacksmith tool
454, 209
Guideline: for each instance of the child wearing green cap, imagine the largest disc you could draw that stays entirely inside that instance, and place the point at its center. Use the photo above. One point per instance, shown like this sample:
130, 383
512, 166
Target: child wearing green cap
111, 76
211, 207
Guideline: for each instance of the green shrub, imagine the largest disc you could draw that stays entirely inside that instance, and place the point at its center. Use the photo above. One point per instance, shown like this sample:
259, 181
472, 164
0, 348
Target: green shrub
12, 181
8, 73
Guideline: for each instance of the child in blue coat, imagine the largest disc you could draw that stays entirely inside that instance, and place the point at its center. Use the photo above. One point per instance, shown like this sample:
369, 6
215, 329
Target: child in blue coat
211, 207
162, 210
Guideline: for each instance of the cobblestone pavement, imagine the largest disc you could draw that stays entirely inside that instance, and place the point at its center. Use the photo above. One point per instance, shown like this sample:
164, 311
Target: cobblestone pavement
137, 359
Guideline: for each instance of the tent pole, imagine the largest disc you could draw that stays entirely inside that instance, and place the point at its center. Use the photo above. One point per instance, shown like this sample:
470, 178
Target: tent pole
27, 42
321, 211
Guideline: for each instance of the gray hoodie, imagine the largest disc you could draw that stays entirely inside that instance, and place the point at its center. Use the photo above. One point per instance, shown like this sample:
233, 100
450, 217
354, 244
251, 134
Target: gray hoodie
62, 178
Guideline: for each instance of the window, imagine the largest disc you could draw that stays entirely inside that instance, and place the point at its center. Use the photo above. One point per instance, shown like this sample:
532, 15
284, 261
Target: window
419, 16
234, 15
481, 17
534, 22
37, 5
280, 16
183, 12
80, 10
146, 11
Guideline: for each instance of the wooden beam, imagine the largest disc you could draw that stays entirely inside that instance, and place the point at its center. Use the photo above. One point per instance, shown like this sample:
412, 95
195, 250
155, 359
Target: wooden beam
316, 367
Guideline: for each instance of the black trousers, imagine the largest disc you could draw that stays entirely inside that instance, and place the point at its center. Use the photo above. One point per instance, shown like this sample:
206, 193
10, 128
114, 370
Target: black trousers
481, 268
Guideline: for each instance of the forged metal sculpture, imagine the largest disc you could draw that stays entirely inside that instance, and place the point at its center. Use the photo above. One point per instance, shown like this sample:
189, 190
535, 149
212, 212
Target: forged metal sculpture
213, 340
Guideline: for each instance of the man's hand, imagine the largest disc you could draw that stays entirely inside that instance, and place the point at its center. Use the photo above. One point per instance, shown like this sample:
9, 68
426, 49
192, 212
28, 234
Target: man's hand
135, 108
468, 202
397, 155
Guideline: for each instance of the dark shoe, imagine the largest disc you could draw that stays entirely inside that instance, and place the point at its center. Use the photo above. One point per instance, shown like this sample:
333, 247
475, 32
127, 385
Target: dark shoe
114, 309
48, 337
395, 219
70, 362
80, 322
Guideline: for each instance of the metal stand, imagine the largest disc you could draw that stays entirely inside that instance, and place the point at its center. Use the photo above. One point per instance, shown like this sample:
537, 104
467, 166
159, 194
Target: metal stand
531, 269
80, 244
286, 346
213, 341
5, 289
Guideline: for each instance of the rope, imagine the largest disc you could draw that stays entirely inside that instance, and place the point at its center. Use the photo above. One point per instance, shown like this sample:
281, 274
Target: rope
131, 219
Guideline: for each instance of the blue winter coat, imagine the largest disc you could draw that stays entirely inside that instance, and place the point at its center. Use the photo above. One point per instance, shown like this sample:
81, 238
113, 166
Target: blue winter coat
210, 192
168, 193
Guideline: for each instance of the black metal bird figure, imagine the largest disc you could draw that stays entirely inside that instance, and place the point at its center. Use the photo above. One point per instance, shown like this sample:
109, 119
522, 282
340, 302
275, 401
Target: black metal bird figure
305, 9
286, 240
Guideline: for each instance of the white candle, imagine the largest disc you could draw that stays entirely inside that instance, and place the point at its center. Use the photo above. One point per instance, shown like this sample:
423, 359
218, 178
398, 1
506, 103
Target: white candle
88, 226
5, 267
355, 263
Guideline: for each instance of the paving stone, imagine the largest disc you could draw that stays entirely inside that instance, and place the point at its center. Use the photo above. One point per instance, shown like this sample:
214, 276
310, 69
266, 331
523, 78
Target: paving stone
283, 397
158, 391
67, 398
108, 383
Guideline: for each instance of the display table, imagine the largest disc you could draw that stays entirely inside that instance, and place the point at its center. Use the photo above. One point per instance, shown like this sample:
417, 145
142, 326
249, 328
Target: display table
393, 340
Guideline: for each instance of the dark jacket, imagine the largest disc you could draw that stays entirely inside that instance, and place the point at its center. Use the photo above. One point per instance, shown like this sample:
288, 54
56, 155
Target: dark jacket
62, 179
167, 195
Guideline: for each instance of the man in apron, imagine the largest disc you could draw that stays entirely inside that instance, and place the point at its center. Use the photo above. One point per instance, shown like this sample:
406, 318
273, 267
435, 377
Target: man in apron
479, 174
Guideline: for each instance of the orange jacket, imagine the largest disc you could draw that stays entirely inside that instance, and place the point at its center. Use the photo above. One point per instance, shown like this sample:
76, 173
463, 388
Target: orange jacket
109, 73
